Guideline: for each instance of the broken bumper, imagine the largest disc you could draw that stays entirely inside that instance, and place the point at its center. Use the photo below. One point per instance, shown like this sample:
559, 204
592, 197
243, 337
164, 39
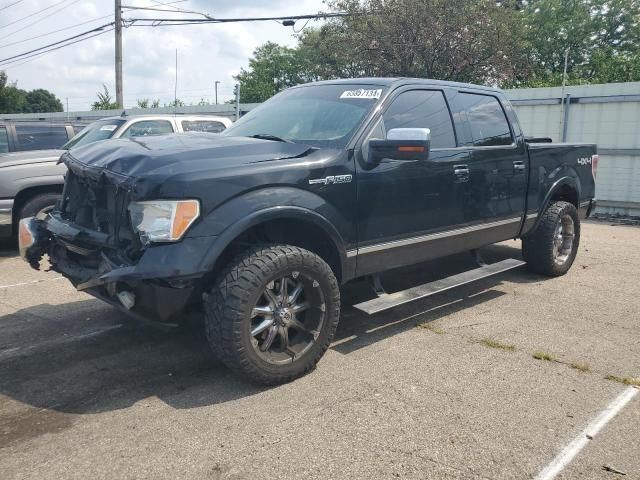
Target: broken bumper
159, 286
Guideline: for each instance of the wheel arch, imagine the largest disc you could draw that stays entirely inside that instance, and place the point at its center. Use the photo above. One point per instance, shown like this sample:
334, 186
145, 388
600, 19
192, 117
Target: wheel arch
566, 189
28, 193
294, 225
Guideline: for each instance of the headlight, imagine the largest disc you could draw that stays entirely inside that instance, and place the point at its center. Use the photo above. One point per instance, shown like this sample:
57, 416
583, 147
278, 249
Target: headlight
163, 220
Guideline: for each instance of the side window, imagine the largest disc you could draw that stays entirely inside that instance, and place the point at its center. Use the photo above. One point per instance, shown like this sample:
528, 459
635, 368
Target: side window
489, 125
422, 109
145, 128
210, 126
40, 137
4, 140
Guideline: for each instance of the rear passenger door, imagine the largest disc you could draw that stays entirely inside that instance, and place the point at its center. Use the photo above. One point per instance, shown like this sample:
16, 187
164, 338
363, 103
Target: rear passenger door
496, 188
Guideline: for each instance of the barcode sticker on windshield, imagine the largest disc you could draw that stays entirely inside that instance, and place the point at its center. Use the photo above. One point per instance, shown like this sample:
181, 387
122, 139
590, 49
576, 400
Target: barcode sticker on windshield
362, 93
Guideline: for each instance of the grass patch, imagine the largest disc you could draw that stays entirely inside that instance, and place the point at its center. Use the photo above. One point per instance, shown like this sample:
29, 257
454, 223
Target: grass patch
431, 328
624, 380
540, 355
583, 367
491, 343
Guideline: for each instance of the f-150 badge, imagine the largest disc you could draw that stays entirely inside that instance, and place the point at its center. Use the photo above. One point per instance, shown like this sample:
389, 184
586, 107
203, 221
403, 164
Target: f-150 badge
331, 180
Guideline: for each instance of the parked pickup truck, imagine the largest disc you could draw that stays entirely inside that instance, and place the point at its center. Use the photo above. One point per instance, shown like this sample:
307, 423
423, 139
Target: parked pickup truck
259, 227
31, 182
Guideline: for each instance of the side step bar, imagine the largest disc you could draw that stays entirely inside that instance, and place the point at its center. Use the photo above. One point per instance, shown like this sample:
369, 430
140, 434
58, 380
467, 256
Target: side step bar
390, 300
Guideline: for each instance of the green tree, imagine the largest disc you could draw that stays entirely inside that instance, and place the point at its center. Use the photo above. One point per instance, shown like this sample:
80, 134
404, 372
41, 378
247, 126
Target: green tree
40, 100
143, 103
175, 103
104, 101
272, 68
16, 100
463, 40
600, 37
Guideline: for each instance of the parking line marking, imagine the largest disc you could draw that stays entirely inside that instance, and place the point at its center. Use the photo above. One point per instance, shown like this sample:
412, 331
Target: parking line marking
31, 282
572, 449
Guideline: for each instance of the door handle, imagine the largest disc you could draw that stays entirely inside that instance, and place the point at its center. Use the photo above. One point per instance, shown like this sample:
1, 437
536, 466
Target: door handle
461, 172
519, 166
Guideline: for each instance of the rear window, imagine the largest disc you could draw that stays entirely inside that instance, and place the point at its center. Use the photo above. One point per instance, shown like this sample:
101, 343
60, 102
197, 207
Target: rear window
210, 126
4, 140
145, 128
40, 137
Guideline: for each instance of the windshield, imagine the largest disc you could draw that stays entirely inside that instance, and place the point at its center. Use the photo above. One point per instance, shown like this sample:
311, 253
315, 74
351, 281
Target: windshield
100, 130
318, 115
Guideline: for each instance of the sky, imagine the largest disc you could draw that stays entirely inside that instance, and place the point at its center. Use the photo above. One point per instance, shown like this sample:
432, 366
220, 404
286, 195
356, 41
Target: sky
206, 53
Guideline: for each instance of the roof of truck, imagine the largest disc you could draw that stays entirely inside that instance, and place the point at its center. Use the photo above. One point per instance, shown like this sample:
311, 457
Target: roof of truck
398, 81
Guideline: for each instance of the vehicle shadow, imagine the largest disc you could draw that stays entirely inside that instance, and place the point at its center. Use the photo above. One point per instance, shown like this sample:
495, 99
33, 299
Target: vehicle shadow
53, 364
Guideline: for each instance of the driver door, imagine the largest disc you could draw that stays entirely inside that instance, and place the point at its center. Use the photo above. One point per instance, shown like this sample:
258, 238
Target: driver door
401, 202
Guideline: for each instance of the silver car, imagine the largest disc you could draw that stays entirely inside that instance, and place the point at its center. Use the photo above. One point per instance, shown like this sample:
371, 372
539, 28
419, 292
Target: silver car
31, 182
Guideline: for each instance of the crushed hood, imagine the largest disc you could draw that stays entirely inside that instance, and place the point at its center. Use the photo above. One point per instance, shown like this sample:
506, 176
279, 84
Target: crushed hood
128, 162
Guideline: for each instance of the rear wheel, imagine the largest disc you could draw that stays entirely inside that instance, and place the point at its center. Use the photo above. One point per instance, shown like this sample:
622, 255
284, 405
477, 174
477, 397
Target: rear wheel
273, 312
552, 247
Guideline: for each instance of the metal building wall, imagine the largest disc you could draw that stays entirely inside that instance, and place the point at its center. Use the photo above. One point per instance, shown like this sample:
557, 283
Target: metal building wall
608, 115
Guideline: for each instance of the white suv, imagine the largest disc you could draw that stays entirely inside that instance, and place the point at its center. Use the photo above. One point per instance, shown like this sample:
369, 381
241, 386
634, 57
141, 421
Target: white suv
31, 182
145, 125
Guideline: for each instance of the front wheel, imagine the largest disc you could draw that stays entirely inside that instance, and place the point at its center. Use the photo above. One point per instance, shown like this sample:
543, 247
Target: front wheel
551, 249
40, 204
272, 313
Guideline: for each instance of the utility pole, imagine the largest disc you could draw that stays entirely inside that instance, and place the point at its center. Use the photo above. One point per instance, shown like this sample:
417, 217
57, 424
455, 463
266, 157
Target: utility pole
118, 30
216, 88
236, 90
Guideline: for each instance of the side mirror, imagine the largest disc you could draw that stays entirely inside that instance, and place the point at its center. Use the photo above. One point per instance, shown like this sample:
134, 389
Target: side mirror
408, 144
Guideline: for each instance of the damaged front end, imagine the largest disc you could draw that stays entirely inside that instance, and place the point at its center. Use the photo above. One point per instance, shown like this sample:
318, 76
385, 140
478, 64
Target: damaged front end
90, 239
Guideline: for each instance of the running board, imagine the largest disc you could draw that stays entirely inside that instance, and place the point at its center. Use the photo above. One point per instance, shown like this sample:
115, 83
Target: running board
391, 300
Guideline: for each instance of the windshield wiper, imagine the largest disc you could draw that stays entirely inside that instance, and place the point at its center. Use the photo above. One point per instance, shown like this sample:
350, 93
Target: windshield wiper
268, 136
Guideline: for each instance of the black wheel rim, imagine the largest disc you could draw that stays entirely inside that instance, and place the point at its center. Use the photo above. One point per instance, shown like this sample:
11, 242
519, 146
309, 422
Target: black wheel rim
287, 318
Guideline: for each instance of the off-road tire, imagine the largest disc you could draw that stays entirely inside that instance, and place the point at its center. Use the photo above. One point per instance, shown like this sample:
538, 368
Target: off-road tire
37, 204
538, 246
233, 295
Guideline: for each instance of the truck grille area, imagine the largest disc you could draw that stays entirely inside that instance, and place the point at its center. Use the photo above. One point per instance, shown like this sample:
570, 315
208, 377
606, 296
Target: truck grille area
99, 206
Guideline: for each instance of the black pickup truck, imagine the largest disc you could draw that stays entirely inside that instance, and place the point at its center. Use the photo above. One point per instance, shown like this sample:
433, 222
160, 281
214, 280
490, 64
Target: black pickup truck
257, 228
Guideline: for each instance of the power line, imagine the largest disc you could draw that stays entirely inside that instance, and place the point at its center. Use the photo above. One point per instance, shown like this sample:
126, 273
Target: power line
31, 15
42, 50
56, 43
55, 31
11, 5
40, 19
156, 9
155, 22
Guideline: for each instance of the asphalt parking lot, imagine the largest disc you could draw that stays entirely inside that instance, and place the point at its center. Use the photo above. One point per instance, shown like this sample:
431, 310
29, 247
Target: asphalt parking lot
444, 388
